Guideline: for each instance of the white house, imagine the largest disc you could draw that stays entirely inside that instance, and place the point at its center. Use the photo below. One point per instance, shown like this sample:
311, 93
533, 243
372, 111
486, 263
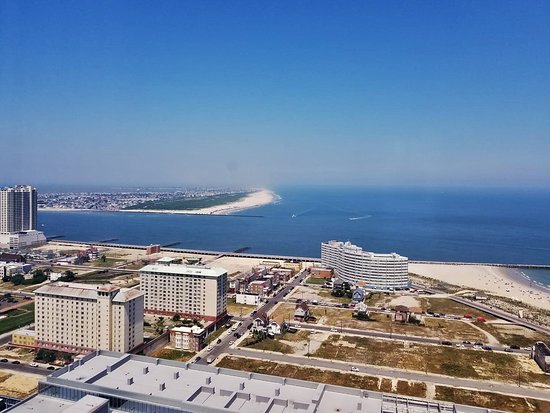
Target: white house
248, 299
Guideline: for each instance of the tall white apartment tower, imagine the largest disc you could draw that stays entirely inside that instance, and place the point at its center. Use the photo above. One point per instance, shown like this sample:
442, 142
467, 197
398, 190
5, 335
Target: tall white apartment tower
373, 270
81, 318
18, 206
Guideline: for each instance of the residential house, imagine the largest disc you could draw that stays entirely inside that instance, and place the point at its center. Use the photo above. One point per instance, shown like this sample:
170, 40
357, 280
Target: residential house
188, 338
260, 287
360, 310
402, 313
274, 329
260, 323
301, 312
541, 354
358, 295
248, 299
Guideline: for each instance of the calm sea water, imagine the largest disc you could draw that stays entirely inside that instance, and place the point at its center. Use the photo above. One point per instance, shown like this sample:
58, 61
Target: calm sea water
441, 225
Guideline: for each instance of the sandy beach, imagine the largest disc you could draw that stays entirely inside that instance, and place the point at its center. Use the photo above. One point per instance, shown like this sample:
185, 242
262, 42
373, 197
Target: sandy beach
252, 200
494, 280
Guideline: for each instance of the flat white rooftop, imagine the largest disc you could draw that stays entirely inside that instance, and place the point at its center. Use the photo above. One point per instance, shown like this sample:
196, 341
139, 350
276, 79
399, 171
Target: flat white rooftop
137, 382
180, 269
87, 291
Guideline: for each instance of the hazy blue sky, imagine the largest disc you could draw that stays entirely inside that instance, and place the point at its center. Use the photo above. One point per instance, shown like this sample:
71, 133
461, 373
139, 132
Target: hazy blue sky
275, 92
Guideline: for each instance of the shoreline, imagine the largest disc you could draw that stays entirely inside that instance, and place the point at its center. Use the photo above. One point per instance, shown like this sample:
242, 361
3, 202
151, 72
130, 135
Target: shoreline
492, 279
504, 281
252, 200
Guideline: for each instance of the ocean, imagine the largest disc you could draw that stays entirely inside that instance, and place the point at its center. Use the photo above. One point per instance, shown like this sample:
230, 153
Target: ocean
471, 225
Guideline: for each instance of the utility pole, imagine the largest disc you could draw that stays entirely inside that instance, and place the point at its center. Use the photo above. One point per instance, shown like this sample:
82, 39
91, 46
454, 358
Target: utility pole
426, 359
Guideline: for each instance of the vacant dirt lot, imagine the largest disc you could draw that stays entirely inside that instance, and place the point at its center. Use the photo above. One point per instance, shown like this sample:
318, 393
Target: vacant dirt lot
17, 385
450, 361
338, 378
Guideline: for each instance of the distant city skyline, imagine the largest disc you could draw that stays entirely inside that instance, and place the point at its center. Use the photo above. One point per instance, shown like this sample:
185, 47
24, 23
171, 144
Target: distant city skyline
271, 94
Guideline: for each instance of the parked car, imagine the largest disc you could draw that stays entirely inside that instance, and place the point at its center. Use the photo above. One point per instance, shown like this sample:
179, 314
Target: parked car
4, 360
514, 347
466, 342
446, 343
508, 350
355, 369
219, 341
33, 364
15, 362
51, 368
488, 348
198, 359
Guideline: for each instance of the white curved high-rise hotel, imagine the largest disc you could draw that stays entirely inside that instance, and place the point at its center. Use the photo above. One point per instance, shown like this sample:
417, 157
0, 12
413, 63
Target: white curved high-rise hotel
376, 271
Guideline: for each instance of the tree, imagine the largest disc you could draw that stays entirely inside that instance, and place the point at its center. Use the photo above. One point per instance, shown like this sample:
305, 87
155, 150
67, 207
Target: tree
103, 258
47, 356
176, 318
18, 279
159, 325
68, 276
38, 277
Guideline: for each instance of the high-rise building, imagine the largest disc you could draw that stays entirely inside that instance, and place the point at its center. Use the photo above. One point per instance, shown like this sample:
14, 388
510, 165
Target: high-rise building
374, 270
18, 206
81, 318
190, 291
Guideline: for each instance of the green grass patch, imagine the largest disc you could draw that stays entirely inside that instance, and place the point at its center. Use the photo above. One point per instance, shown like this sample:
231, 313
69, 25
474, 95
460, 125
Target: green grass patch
272, 345
24, 316
109, 262
315, 281
173, 354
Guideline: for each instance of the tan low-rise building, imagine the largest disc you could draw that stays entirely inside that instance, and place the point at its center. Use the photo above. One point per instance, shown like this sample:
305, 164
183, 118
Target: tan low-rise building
23, 338
80, 318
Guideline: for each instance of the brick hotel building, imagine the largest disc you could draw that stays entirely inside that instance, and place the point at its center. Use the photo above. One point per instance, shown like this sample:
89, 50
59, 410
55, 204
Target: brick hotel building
190, 291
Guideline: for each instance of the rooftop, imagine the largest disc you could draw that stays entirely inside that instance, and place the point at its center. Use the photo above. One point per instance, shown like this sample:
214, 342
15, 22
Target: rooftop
180, 269
137, 381
88, 291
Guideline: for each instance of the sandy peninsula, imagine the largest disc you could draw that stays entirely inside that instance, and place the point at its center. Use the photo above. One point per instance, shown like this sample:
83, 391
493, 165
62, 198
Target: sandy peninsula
500, 281
252, 200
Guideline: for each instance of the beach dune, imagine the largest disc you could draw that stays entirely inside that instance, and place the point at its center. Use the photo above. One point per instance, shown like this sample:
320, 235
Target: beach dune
493, 280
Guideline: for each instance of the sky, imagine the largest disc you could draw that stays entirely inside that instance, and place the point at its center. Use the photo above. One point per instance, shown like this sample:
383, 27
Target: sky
267, 93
